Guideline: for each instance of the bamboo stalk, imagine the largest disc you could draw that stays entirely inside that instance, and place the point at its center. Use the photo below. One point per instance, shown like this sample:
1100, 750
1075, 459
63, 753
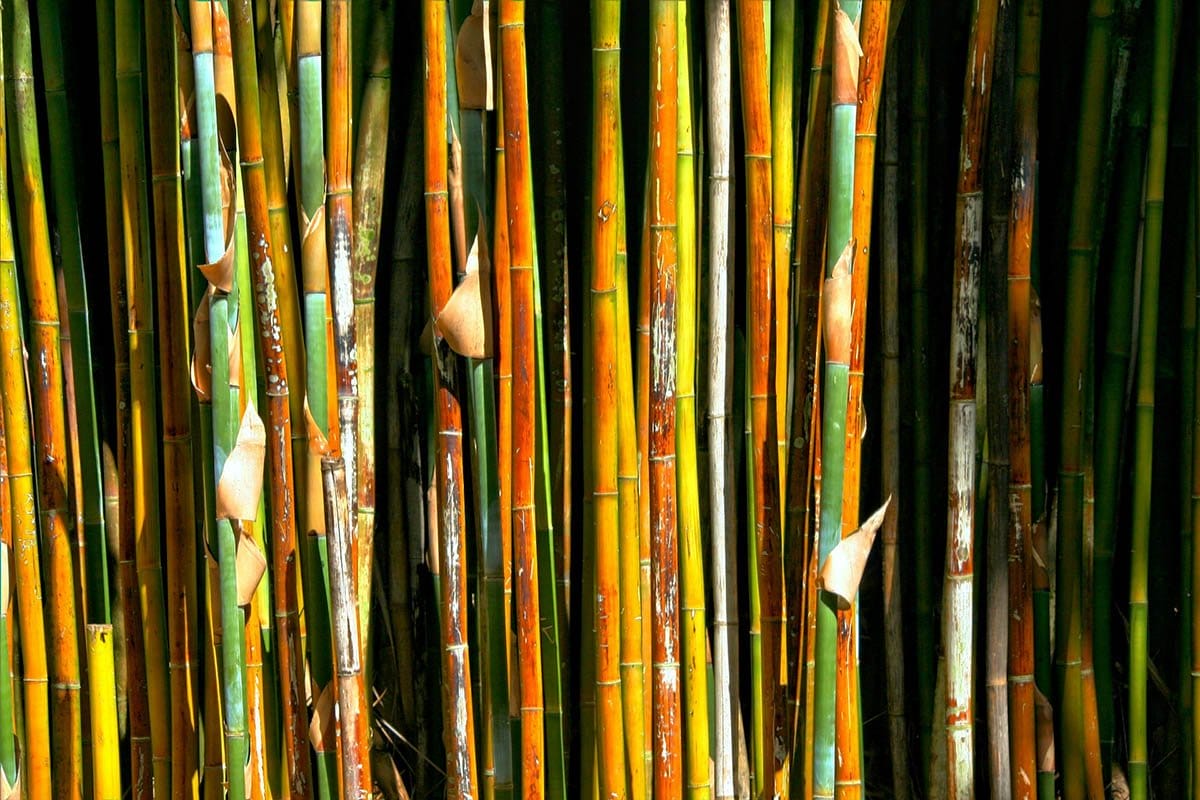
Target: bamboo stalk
8, 750
459, 726
693, 616
957, 613
1082, 240
633, 686
1021, 687
1111, 424
1194, 566
371, 152
720, 397
102, 689
49, 415
603, 416
756, 115
36, 760
874, 26
1043, 683
88, 495
892, 588
352, 701
172, 306
1152, 244
273, 348
138, 712
833, 711
925, 551
783, 157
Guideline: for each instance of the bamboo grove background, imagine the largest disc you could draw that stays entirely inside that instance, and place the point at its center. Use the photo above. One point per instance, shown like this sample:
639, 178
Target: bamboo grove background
505, 399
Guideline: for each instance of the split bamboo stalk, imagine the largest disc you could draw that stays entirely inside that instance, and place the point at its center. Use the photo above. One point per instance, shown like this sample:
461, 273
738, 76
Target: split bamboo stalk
1152, 248
1082, 242
352, 699
958, 603
459, 725
994, 343
36, 760
137, 710
49, 415
666, 731
604, 438
272, 348
371, 157
1021, 687
834, 712
692, 611
767, 541
720, 397
890, 295
174, 374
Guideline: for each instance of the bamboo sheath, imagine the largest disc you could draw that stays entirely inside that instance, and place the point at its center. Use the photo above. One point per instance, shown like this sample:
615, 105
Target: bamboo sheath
459, 726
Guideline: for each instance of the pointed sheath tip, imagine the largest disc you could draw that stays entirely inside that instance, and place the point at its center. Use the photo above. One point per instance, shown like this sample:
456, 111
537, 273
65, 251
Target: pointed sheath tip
847, 54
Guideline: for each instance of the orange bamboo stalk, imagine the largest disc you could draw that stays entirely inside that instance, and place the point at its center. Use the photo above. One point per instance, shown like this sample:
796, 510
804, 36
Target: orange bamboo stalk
49, 415
451, 525
873, 22
756, 116
667, 735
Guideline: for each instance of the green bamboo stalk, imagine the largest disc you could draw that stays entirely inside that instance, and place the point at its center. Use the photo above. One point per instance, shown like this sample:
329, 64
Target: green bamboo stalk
62, 163
836, 314
1152, 246
49, 414
692, 611
1114, 378
783, 157
1082, 241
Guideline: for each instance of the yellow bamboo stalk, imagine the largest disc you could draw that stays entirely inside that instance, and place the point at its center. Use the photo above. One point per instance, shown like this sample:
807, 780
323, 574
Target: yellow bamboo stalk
102, 691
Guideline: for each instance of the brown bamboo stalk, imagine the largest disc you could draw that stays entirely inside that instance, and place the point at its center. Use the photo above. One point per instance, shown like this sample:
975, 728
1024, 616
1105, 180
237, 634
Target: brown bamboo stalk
174, 372
352, 698
666, 730
138, 711
1021, 689
892, 590
451, 527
